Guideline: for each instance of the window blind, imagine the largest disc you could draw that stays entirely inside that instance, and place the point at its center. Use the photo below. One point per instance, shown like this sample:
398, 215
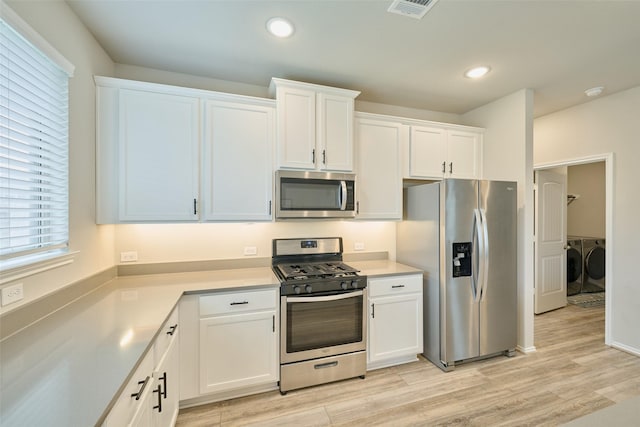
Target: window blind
33, 149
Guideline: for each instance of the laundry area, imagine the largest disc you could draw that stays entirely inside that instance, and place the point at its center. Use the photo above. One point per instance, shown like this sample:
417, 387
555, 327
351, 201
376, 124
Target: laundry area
586, 245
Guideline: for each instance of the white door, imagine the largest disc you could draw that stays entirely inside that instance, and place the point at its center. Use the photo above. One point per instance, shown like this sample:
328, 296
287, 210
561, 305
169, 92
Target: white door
239, 350
428, 152
158, 156
379, 169
335, 132
551, 236
462, 154
238, 161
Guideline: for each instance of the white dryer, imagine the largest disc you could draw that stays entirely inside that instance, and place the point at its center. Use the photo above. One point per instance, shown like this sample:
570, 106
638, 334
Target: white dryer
574, 265
593, 253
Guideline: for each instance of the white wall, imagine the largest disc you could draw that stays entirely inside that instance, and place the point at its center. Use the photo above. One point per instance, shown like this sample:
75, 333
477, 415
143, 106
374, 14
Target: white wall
508, 155
586, 214
62, 29
607, 125
132, 72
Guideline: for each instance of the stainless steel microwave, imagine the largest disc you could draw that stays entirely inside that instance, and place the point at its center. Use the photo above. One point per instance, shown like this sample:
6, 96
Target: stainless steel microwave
304, 194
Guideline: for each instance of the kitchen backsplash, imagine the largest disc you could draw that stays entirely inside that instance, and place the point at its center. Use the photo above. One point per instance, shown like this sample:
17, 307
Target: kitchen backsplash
155, 243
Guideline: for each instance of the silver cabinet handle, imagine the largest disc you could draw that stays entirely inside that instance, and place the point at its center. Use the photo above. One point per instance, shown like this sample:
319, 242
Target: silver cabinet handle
324, 157
313, 156
451, 167
444, 166
239, 303
325, 365
397, 286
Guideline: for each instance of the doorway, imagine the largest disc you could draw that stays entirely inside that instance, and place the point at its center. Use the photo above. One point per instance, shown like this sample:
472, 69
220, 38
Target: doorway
596, 224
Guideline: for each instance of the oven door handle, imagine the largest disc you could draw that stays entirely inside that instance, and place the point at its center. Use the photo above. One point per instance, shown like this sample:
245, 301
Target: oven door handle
325, 298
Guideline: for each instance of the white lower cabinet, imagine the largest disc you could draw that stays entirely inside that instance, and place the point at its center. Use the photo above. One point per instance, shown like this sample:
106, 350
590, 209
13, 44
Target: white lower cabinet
230, 344
238, 340
151, 397
395, 320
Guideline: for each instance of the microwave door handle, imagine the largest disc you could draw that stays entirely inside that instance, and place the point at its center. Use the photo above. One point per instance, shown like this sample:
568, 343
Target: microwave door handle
343, 195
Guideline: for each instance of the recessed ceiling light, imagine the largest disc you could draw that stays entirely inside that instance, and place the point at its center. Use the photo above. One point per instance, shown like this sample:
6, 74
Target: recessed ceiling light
594, 91
280, 27
477, 72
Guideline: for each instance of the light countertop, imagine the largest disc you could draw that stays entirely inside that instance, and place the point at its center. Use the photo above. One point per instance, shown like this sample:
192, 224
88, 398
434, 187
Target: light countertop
68, 368
379, 268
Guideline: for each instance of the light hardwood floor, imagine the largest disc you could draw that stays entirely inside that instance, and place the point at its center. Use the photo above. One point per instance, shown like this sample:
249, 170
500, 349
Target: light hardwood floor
571, 374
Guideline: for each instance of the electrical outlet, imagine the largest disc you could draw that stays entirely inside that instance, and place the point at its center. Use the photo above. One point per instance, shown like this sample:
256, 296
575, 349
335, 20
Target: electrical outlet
130, 256
12, 294
358, 246
250, 250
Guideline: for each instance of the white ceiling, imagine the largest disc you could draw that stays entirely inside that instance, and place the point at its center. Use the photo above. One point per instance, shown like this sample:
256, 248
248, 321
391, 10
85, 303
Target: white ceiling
558, 48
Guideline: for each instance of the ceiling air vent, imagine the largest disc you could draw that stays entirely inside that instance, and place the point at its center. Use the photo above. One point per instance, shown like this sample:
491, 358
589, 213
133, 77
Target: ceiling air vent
413, 8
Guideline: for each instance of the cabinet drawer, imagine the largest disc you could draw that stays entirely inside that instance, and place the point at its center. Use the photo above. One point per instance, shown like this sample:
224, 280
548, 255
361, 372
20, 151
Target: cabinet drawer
235, 302
167, 333
133, 395
395, 285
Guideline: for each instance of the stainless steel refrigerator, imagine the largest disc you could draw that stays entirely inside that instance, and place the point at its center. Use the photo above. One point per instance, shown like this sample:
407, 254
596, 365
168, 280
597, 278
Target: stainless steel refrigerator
462, 233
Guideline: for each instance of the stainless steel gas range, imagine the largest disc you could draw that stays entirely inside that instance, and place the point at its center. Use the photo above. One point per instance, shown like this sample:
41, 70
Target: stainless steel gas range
322, 313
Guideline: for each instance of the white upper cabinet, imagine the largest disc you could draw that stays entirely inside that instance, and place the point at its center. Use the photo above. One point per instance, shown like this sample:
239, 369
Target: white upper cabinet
444, 152
427, 152
463, 154
173, 154
238, 147
378, 167
314, 126
158, 148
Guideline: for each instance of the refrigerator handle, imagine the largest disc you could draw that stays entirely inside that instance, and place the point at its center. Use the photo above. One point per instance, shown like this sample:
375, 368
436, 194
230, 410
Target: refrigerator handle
485, 256
479, 250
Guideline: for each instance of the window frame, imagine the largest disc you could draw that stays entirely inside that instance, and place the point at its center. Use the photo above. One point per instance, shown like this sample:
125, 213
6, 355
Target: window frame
19, 264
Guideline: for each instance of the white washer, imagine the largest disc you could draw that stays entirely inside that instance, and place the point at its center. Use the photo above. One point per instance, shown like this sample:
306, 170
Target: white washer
574, 265
593, 254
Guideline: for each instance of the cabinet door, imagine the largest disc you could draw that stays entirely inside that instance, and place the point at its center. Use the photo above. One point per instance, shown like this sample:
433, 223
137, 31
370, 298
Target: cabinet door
394, 326
379, 186
335, 133
158, 156
238, 350
463, 150
296, 117
427, 151
238, 161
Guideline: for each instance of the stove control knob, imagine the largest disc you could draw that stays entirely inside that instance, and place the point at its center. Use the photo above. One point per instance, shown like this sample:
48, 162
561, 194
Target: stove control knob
354, 284
308, 289
296, 289
344, 285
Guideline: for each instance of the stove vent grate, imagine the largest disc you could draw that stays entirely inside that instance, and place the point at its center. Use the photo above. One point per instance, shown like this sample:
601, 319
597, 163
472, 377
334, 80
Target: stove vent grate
412, 8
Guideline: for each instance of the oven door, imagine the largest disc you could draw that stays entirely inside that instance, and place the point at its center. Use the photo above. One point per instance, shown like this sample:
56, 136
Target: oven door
318, 326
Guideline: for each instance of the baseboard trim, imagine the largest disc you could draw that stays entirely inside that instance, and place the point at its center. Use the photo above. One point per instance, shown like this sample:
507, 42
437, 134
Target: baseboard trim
526, 350
626, 348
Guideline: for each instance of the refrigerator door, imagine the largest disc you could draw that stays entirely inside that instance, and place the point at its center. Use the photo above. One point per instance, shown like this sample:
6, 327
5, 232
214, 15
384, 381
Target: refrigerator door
460, 313
498, 302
